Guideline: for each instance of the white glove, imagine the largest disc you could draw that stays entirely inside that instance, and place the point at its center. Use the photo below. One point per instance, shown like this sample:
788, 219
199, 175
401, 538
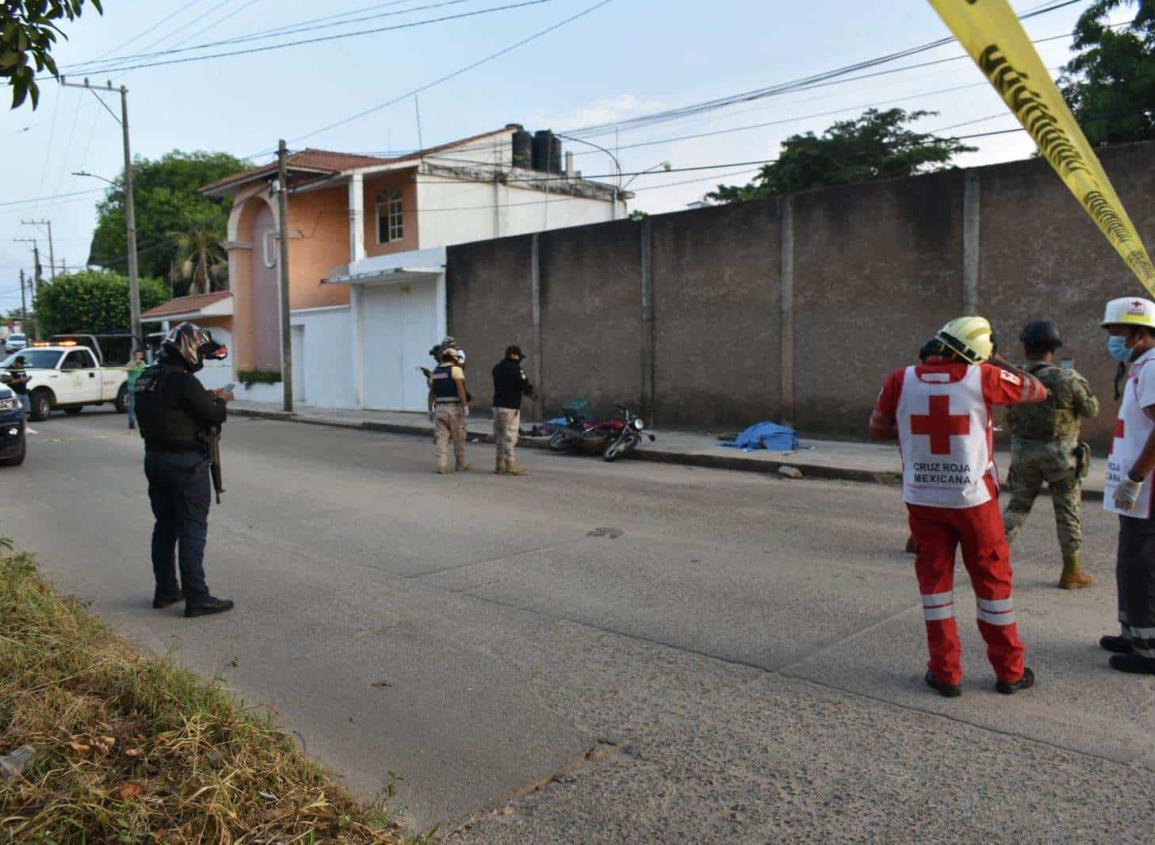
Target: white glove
1127, 494
466, 410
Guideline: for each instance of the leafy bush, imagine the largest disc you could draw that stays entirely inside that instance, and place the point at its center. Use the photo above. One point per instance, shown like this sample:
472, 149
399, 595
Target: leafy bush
254, 376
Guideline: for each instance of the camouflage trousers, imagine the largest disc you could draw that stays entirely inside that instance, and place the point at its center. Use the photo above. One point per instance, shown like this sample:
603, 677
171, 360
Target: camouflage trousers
449, 424
506, 422
1034, 464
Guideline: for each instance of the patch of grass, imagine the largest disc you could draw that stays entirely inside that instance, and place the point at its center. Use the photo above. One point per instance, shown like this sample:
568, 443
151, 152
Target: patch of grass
135, 750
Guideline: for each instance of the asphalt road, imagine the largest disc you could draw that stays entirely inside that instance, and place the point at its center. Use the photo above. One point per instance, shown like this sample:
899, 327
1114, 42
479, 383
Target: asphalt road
609, 653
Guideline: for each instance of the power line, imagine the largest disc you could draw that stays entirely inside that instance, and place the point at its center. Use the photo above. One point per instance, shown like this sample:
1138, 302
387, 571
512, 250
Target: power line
454, 74
829, 77
324, 38
213, 25
792, 119
142, 33
276, 32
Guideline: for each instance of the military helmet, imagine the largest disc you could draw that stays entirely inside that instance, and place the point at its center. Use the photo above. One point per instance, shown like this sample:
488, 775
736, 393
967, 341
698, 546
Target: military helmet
1041, 334
971, 338
191, 344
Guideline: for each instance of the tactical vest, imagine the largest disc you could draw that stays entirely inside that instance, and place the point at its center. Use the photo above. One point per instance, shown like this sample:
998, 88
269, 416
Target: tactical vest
444, 387
1053, 419
150, 380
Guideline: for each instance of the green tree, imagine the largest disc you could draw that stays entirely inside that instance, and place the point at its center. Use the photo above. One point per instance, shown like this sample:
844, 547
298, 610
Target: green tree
877, 145
203, 265
168, 207
28, 31
1110, 84
92, 302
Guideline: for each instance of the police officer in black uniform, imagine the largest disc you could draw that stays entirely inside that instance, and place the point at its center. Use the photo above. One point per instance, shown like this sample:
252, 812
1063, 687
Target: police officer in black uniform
176, 415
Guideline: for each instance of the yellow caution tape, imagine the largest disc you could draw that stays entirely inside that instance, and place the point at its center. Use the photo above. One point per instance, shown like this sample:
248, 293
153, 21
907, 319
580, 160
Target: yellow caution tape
993, 35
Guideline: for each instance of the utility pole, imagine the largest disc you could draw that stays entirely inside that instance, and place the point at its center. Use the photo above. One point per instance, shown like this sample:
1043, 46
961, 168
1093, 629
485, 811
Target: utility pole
47, 224
23, 301
283, 272
129, 204
37, 272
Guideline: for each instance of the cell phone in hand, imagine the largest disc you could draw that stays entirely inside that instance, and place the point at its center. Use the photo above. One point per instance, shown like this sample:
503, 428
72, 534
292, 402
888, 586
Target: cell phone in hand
229, 386
1067, 363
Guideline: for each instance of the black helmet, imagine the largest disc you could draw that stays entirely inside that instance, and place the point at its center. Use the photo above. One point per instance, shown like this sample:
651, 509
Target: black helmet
514, 349
191, 344
1042, 335
931, 347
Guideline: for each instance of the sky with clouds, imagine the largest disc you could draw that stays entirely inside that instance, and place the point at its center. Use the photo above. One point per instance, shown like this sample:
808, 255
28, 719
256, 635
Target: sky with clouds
582, 63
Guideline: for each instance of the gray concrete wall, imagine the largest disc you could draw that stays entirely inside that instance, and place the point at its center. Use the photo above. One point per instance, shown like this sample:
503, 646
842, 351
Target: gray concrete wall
798, 308
878, 270
591, 315
490, 303
716, 316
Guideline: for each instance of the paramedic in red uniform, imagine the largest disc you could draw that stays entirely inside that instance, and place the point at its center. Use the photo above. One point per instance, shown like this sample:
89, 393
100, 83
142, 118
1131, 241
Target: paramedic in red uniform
941, 413
1130, 323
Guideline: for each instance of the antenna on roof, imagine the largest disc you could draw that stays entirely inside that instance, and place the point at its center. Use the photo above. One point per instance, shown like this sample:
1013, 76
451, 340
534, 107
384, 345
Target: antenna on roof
417, 108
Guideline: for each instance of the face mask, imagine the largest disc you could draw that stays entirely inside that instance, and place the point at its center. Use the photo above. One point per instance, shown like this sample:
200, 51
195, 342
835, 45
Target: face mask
1117, 346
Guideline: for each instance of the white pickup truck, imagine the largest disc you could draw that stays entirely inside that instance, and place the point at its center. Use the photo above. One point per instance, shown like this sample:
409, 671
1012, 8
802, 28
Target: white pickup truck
67, 376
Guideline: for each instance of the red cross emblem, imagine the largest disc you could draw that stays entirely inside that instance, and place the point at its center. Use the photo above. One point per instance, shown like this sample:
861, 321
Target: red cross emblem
940, 425
1136, 304
1120, 427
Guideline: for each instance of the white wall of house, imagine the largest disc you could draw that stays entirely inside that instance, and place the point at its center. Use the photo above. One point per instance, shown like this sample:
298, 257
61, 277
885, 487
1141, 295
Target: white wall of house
323, 357
456, 212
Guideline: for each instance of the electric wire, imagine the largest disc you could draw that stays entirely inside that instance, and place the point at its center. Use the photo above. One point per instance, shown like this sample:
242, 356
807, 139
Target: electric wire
458, 72
265, 34
140, 34
326, 38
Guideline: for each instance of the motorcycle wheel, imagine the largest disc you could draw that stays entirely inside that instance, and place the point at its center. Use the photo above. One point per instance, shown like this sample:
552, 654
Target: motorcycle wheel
557, 442
620, 447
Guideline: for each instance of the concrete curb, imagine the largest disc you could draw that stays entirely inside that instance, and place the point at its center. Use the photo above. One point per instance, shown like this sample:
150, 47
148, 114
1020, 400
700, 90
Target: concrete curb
731, 462
692, 459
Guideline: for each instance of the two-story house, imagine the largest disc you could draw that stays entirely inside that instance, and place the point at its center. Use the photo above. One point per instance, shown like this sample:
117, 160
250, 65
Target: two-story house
367, 238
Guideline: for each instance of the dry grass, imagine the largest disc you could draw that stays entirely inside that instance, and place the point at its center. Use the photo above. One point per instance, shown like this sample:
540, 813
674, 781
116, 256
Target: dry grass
135, 750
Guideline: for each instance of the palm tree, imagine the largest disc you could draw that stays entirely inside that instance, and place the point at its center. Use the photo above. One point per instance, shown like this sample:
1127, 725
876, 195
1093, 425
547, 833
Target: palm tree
201, 261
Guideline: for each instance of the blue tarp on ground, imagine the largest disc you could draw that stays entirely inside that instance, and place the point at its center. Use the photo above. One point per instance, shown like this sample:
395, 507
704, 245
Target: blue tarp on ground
765, 435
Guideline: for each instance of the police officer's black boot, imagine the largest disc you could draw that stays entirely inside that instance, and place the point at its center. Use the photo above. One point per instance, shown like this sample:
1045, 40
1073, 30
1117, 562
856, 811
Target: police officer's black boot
1134, 664
1117, 644
208, 607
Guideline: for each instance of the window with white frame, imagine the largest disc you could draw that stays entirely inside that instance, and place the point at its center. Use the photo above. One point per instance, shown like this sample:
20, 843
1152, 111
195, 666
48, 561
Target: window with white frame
390, 221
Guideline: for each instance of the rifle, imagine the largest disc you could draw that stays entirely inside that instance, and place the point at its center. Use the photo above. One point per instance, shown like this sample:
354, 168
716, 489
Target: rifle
214, 444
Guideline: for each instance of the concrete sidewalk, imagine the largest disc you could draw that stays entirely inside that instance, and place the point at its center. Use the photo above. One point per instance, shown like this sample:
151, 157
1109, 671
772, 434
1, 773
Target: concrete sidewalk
832, 459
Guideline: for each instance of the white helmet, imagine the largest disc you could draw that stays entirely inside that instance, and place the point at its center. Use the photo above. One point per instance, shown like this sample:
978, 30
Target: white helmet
971, 338
455, 355
1129, 311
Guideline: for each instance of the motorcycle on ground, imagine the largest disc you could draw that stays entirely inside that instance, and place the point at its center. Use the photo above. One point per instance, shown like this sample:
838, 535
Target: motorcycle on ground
612, 439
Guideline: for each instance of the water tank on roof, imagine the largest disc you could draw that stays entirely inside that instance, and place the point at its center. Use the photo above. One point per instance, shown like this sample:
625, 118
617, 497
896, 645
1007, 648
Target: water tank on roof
546, 152
523, 149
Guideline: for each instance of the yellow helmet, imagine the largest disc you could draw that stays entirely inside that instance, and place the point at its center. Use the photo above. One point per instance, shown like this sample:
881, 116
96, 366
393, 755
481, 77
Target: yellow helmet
1129, 311
971, 338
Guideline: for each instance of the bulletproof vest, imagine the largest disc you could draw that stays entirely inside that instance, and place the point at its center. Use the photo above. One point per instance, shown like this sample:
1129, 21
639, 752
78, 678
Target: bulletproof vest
444, 387
164, 422
150, 380
1053, 418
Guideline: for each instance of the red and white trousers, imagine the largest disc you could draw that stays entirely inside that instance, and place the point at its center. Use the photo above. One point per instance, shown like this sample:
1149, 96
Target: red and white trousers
986, 554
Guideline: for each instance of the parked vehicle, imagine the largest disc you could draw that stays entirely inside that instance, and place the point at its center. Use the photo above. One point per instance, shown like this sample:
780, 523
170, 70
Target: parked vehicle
67, 376
15, 342
611, 439
12, 435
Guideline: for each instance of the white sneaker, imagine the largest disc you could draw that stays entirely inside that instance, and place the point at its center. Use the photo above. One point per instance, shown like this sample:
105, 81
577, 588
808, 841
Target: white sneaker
29, 430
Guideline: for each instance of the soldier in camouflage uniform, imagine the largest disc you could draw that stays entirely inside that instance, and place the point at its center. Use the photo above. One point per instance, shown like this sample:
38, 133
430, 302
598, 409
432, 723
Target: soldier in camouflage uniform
1045, 448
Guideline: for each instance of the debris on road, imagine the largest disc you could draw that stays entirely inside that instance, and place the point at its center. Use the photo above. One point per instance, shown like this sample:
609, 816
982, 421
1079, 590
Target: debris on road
790, 472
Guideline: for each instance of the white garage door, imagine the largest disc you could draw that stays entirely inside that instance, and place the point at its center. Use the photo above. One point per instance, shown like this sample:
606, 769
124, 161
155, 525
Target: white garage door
400, 325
